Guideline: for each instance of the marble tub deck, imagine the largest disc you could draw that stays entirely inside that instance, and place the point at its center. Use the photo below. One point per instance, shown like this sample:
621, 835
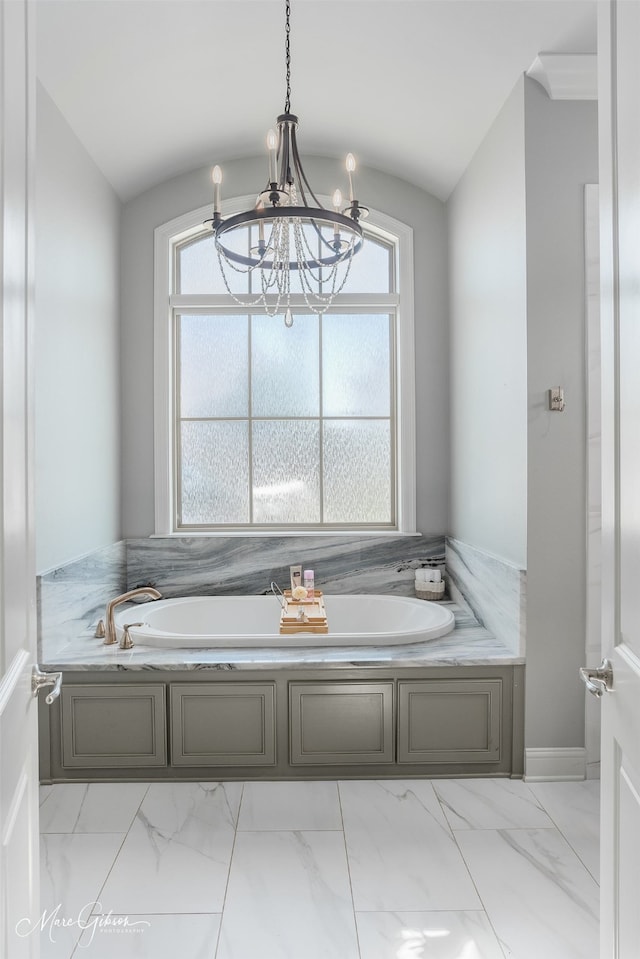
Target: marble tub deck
469, 644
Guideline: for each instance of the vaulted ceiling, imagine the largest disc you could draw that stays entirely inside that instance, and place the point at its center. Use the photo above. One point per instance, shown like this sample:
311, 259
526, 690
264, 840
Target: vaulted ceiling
153, 88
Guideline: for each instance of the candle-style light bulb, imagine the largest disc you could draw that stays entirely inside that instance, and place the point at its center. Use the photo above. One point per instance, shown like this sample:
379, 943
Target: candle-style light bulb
351, 165
272, 146
216, 176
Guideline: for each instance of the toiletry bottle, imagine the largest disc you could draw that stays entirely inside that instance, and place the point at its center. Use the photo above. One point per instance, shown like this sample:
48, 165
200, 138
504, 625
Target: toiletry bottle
309, 584
295, 573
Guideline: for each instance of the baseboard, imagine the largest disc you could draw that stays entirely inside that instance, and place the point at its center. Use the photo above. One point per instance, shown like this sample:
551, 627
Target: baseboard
544, 765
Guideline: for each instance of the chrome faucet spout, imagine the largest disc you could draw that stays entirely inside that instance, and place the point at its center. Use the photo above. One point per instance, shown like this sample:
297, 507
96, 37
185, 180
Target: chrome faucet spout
110, 627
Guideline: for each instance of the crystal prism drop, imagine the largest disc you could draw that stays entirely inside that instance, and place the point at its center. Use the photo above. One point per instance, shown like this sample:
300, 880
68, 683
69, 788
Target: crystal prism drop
288, 318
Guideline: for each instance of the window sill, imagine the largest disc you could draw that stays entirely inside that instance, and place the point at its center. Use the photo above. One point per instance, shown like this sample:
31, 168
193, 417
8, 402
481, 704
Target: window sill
280, 533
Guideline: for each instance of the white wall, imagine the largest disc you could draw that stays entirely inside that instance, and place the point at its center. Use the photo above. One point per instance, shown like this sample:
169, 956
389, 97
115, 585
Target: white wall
424, 213
77, 463
488, 352
561, 157
516, 240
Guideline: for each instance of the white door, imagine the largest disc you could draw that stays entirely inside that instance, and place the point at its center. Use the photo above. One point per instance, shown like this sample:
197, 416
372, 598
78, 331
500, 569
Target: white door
18, 742
619, 120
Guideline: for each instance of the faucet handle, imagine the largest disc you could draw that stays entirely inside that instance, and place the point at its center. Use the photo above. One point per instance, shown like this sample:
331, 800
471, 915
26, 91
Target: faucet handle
126, 642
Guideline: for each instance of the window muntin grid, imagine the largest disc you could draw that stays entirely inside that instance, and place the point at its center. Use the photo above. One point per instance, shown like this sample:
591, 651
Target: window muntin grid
361, 442
287, 481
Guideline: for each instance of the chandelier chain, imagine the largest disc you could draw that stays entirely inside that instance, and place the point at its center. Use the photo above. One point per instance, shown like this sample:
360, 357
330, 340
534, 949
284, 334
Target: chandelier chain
287, 102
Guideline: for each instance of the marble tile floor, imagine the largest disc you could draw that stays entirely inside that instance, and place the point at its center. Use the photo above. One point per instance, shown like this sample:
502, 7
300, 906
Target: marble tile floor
393, 869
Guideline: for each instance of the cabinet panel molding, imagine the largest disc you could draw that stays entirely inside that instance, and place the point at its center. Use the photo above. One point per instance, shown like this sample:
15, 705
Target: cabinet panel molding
223, 724
107, 726
450, 721
339, 723
284, 724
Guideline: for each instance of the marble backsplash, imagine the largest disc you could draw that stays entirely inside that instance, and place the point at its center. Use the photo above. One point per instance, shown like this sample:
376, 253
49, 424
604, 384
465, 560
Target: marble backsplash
72, 598
494, 590
245, 565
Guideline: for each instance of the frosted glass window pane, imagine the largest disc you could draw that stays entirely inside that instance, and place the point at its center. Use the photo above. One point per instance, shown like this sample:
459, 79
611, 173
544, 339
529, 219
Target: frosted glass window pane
197, 262
237, 241
215, 473
356, 365
285, 369
357, 471
286, 473
370, 269
199, 270
214, 379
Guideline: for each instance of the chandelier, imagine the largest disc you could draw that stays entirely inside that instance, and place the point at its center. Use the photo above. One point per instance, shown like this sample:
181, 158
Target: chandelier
294, 245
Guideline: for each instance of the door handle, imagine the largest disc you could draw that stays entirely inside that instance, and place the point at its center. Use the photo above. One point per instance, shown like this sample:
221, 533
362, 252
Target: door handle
598, 681
40, 680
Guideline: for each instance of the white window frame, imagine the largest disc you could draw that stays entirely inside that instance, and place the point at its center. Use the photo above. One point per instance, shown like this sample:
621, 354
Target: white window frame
175, 231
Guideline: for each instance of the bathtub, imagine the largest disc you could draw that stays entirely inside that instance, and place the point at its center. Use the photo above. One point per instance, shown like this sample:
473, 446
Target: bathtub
229, 622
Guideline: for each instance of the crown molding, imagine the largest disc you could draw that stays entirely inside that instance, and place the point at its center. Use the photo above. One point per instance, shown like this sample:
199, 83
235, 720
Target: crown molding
566, 76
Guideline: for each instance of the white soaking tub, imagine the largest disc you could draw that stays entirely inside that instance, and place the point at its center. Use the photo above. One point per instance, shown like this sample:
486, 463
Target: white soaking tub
240, 622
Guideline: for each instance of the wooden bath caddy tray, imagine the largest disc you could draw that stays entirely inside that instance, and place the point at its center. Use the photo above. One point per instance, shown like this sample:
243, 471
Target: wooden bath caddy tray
315, 612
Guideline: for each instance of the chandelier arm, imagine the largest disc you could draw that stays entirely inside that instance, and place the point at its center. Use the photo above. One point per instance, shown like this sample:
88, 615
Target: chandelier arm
357, 211
302, 177
342, 253
311, 260
327, 266
284, 177
302, 182
299, 176
334, 291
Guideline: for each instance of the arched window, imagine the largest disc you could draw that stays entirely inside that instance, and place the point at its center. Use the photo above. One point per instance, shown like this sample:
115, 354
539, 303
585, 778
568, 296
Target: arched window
263, 427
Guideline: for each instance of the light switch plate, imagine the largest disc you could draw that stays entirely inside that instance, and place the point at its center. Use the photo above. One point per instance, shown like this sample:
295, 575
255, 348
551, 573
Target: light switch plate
556, 399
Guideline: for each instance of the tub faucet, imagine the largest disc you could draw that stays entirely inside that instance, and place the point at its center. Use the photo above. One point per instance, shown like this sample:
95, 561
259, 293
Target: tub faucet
110, 626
